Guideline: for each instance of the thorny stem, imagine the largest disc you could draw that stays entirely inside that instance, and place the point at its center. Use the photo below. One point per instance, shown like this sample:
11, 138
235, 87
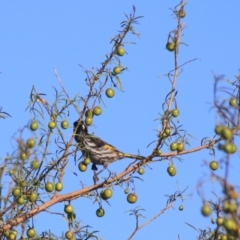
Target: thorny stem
150, 220
177, 37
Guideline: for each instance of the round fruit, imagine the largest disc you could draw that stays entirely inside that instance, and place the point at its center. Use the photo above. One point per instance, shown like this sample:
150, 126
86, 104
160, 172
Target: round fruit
110, 93
164, 135
31, 143
226, 133
126, 190
233, 102
226, 206
23, 156
16, 191
12, 236
230, 148
213, 165
132, 198
233, 207
34, 126
167, 131
49, 186
223, 237
117, 70
174, 146
21, 200
89, 113
172, 170
14, 232
23, 183
175, 112
97, 111
35, 164
33, 197
141, 171
64, 124
100, 212
218, 129
6, 233
106, 194
220, 221
182, 13
12, 171
82, 167
68, 209
88, 121
170, 46
230, 224
227, 148
120, 51
158, 152
31, 232
52, 125
58, 186
180, 147
233, 194
86, 161
206, 210
180, 207
69, 235
24, 196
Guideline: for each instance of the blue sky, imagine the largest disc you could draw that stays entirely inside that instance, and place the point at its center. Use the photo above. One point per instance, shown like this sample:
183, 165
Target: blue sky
38, 36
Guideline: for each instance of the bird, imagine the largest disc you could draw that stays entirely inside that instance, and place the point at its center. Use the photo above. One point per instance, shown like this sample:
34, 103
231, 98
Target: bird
99, 151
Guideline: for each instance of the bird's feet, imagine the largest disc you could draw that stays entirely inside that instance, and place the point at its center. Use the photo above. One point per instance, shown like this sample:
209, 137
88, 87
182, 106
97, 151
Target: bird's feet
95, 174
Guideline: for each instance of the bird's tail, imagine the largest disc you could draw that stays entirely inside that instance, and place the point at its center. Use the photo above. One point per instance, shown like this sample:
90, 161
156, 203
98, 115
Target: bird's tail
138, 157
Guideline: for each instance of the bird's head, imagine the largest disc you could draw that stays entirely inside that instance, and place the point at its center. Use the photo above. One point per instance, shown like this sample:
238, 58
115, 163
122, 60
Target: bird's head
80, 130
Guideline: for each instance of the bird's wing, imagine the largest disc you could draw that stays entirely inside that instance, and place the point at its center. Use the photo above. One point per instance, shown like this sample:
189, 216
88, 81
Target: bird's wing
98, 142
